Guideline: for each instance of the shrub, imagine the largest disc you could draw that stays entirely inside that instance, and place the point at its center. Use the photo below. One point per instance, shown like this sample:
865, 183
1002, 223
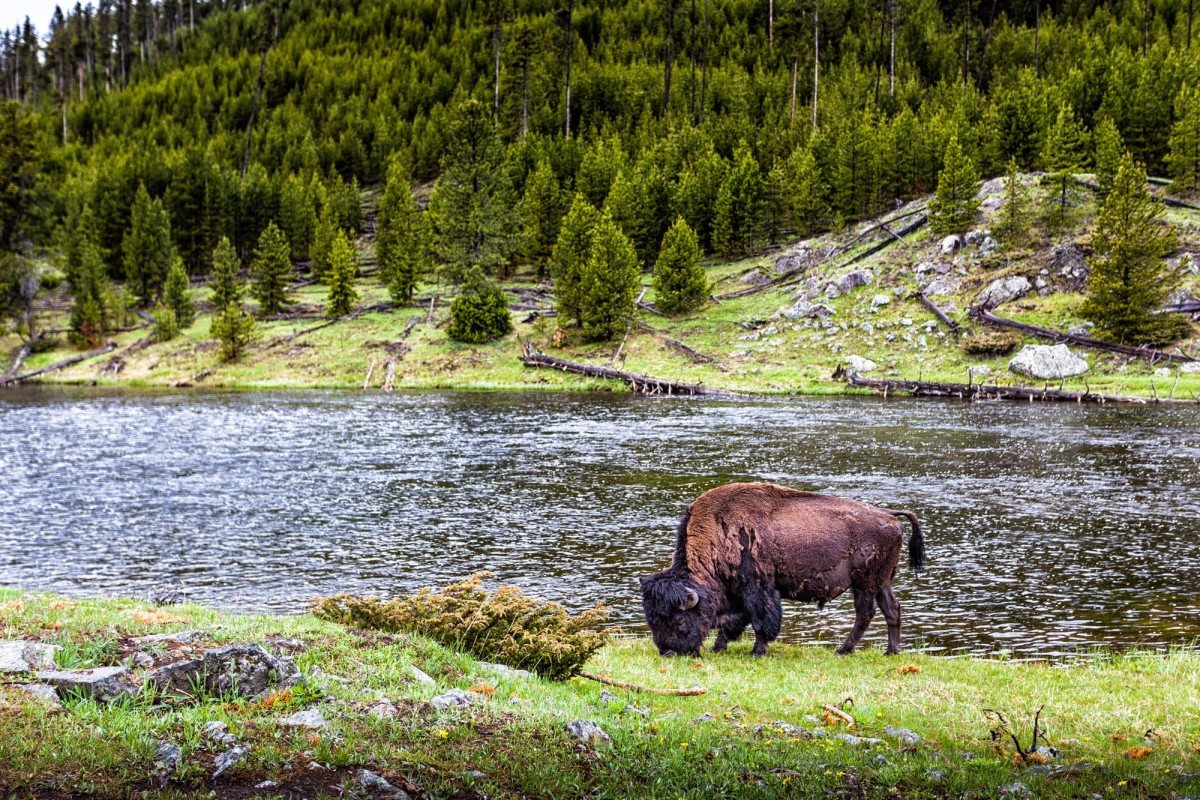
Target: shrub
504, 626
480, 312
991, 343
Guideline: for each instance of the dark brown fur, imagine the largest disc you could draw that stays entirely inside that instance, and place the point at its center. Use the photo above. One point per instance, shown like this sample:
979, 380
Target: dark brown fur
743, 547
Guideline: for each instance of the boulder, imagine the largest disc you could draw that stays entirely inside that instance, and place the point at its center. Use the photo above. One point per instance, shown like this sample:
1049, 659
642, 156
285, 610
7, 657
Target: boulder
978, 371
309, 718
988, 246
844, 284
941, 286
975, 236
373, 782
587, 732
421, 677
17, 655
1047, 362
102, 684
1081, 330
880, 300
860, 365
1180, 296
455, 698
218, 733
858, 741
1162, 372
806, 310
505, 671
754, 278
949, 246
243, 669
1004, 290
168, 758
903, 734
1190, 367
792, 260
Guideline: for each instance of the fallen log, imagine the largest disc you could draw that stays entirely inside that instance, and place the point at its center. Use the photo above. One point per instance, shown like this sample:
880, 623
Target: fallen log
1154, 356
22, 354
1167, 201
640, 384
979, 391
954, 327
676, 345
1190, 307
108, 348
692, 692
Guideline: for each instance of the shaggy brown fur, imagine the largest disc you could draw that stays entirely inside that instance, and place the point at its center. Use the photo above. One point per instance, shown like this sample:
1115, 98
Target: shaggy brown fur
743, 547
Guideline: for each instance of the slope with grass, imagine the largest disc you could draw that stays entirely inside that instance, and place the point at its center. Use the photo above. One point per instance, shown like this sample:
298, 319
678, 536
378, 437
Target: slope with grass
750, 345
512, 740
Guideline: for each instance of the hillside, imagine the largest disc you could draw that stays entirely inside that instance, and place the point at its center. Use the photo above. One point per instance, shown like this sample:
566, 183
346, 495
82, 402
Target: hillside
752, 344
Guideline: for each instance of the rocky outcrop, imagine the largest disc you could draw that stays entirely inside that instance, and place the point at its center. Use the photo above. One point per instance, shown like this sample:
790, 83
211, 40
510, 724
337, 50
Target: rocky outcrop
843, 284
1067, 261
1047, 362
806, 310
244, 669
1003, 290
17, 655
102, 684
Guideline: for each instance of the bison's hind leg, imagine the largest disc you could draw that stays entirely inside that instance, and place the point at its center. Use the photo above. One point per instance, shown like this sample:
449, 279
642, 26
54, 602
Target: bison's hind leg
729, 629
890, 607
864, 610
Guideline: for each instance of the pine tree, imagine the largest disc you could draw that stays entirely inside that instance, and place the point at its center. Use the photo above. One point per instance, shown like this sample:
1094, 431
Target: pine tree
1063, 155
1129, 279
1109, 149
92, 293
695, 195
680, 284
1184, 158
540, 212
166, 326
479, 313
148, 247
739, 205
1012, 226
235, 330
401, 239
177, 296
343, 270
226, 283
798, 185
956, 206
571, 253
270, 271
601, 163
471, 200
298, 216
323, 236
610, 282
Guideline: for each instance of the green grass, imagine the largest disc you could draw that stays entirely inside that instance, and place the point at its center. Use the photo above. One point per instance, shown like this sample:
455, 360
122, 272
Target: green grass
780, 357
1095, 709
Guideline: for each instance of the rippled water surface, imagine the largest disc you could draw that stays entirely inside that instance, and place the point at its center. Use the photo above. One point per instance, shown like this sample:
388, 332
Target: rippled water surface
1050, 527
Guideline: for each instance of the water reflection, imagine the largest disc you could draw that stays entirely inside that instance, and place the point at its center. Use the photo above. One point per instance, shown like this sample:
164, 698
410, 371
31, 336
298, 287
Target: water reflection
1050, 528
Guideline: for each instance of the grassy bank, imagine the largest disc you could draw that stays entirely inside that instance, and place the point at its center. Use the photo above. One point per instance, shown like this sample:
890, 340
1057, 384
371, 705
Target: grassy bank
512, 743
749, 346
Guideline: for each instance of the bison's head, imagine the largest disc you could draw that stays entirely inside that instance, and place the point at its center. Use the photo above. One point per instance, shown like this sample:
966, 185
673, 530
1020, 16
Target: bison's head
678, 611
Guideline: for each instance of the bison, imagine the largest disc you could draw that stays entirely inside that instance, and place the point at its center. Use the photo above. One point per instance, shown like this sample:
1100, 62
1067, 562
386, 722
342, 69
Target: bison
742, 548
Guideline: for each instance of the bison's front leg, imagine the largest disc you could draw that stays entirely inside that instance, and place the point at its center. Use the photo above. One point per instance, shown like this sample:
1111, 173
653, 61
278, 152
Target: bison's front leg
864, 610
729, 629
766, 615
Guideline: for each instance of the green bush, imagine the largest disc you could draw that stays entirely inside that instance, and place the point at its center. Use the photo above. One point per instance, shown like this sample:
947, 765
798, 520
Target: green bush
480, 313
504, 626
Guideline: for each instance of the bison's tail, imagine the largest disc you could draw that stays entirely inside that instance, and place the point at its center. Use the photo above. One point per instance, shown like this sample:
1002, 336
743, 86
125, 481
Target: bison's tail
916, 542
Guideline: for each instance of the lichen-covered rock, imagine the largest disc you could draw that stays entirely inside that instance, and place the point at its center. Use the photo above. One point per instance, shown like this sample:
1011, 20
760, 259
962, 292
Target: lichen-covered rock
587, 732
168, 758
102, 684
46, 695
229, 759
858, 741
843, 284
1047, 362
1004, 290
806, 310
903, 734
422, 677
455, 698
371, 781
941, 286
242, 669
1190, 367
1069, 263
880, 300
17, 655
860, 365
309, 718
382, 709
950, 244
506, 671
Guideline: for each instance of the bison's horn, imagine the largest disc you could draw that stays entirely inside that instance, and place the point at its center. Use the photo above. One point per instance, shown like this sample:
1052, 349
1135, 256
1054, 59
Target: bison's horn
692, 600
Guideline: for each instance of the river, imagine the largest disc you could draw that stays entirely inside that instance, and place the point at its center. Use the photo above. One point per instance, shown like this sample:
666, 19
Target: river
1051, 529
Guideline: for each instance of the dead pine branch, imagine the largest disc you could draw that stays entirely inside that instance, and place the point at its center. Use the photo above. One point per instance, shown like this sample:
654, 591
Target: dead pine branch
640, 384
1002, 728
954, 327
692, 692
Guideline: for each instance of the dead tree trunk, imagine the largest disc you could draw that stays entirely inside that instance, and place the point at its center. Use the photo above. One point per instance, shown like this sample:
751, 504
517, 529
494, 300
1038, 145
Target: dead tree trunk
1152, 355
108, 348
640, 384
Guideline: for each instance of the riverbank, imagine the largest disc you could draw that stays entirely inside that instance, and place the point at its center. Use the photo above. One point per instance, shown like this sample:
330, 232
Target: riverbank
743, 738
800, 312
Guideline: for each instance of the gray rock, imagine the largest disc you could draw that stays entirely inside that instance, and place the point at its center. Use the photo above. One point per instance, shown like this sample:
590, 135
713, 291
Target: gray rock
975, 236
102, 684
988, 246
923, 267
1004, 290
1180, 296
587, 732
168, 758
40, 692
903, 734
370, 780
1068, 262
806, 310
949, 246
1081, 330
1047, 362
881, 761
179, 637
1190, 367
17, 655
1014, 789
455, 698
1047, 752
858, 741
843, 284
860, 365
880, 300
382, 709
309, 718
218, 733
229, 759
266, 785
139, 660
942, 286
707, 716
505, 671
422, 677
1162, 372
978, 370
754, 278
246, 670
792, 731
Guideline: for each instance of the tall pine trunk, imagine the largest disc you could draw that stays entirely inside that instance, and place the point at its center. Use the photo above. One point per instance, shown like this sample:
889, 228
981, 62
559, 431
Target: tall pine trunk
704, 64
669, 57
816, 59
892, 50
570, 48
